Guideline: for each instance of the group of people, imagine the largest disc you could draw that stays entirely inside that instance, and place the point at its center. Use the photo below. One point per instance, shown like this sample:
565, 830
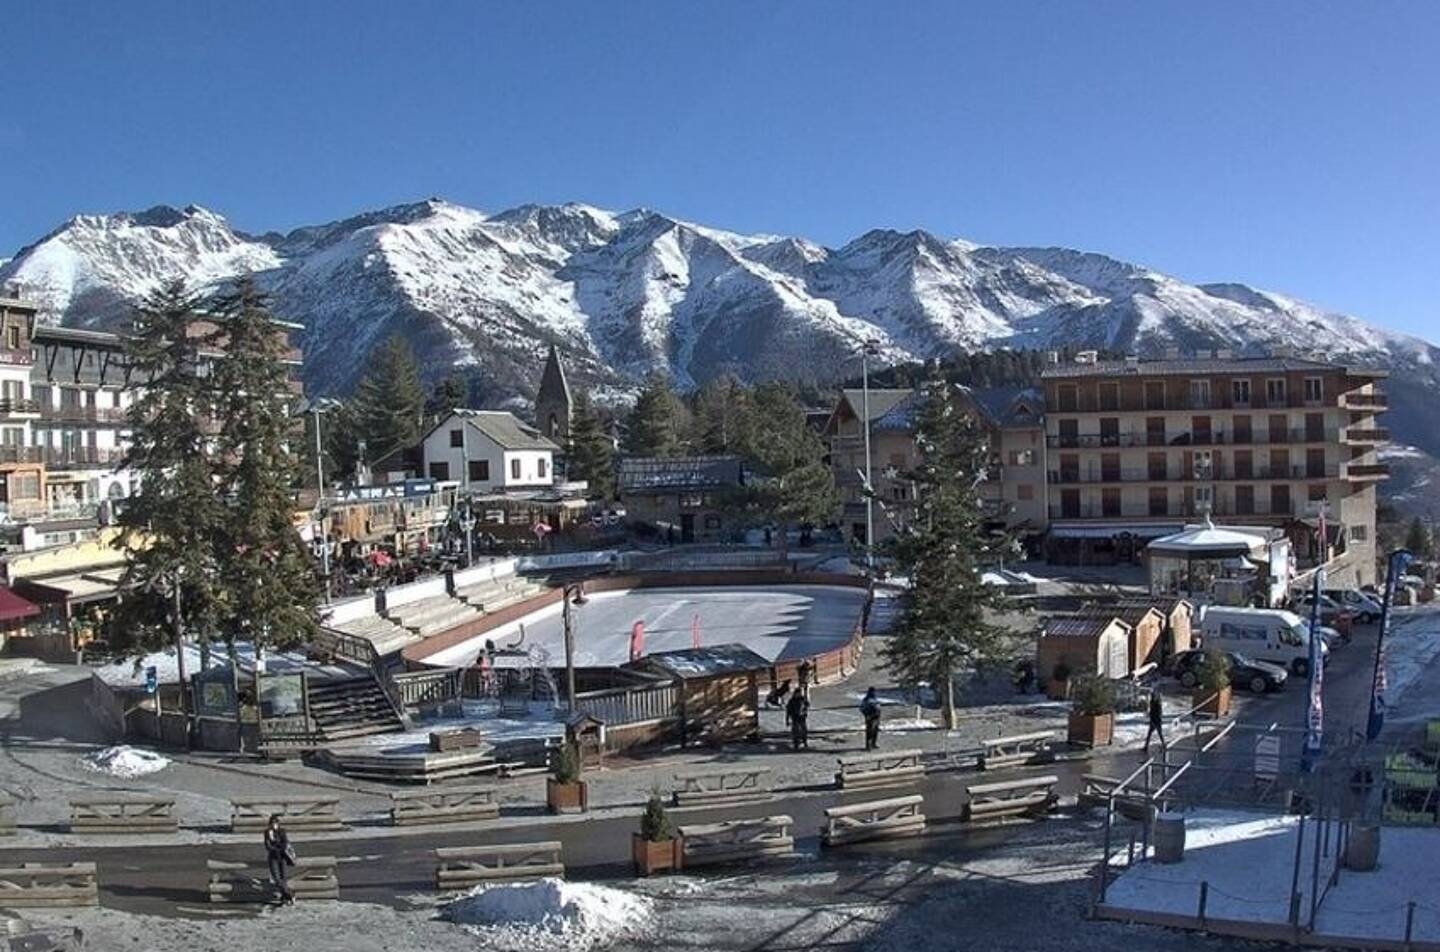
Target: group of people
796, 703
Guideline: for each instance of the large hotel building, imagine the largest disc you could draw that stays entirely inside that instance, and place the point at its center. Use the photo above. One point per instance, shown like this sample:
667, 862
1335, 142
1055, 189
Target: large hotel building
1140, 447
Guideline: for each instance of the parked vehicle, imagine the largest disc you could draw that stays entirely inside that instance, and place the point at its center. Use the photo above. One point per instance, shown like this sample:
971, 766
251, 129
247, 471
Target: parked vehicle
1266, 634
1364, 605
1330, 609
1245, 673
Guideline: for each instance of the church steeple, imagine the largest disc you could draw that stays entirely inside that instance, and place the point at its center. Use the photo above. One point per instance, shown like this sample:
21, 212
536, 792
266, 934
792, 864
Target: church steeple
553, 403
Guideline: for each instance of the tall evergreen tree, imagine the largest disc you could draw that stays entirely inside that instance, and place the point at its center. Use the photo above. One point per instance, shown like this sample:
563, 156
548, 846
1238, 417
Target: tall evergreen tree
653, 427
795, 487
590, 455
169, 524
722, 416
390, 400
946, 626
269, 577
449, 393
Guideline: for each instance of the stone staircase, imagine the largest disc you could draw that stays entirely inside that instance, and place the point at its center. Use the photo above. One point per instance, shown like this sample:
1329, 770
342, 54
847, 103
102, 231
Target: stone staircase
430, 616
493, 596
353, 707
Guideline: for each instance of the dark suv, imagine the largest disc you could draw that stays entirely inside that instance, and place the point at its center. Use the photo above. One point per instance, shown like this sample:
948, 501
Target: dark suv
1245, 673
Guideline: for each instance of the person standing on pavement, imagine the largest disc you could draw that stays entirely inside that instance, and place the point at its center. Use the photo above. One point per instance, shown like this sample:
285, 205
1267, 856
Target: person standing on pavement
278, 855
870, 710
802, 674
797, 712
1157, 721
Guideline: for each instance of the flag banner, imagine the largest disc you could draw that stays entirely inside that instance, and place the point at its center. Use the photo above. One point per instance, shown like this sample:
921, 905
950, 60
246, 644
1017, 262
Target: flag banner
1315, 716
1394, 568
637, 641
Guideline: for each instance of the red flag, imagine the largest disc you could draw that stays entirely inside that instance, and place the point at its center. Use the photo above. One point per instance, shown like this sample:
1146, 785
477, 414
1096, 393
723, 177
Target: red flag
695, 631
637, 641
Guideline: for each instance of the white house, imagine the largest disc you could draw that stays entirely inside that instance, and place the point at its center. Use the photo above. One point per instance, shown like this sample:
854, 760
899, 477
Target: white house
488, 451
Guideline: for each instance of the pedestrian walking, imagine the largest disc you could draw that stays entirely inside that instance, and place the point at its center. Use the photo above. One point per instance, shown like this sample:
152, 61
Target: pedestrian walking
797, 712
278, 855
1157, 721
870, 710
803, 672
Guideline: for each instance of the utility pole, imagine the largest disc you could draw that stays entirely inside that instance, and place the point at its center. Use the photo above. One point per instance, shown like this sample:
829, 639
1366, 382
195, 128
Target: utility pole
320, 504
567, 616
179, 657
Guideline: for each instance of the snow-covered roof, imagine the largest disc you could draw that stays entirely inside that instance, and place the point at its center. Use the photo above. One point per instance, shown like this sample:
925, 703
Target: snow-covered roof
707, 662
1208, 540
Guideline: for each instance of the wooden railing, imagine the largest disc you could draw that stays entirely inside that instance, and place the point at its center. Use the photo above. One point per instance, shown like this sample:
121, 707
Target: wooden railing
437, 686
361, 651
619, 706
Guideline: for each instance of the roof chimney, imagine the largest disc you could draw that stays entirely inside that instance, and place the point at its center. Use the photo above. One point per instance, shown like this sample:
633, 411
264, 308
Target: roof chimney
1087, 357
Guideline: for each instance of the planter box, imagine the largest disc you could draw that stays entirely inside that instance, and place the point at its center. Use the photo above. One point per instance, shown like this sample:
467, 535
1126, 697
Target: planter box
1092, 730
653, 857
566, 797
1213, 705
458, 739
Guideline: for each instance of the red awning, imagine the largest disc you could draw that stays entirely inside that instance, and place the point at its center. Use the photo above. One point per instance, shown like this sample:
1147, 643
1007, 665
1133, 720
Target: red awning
13, 607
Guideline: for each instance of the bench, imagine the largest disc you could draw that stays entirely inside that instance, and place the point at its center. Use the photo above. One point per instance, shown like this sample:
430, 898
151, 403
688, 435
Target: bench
48, 884
876, 769
1032, 796
251, 814
462, 738
463, 867
734, 840
7, 815
312, 877
1017, 749
454, 805
730, 786
132, 813
1097, 791
877, 820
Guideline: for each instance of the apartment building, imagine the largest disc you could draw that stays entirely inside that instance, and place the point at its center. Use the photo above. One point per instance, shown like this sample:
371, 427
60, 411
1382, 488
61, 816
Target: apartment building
1014, 491
1136, 448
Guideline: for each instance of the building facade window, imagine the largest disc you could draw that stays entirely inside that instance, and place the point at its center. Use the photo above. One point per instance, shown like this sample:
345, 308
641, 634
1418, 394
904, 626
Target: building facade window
440, 471
515, 469
1275, 392
1314, 390
1240, 393
457, 439
1200, 394
540, 468
479, 471
1025, 492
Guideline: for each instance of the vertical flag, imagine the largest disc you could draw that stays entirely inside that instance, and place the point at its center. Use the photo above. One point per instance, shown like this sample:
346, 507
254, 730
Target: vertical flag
1394, 568
1315, 716
637, 641
695, 631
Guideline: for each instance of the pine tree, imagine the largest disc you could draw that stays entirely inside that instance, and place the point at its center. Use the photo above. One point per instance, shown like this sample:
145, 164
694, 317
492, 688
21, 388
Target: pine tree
795, 487
269, 577
722, 416
590, 455
653, 429
390, 400
946, 623
169, 524
449, 393
1418, 540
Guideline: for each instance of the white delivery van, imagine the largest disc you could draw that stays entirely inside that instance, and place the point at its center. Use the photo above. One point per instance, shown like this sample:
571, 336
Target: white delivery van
1266, 634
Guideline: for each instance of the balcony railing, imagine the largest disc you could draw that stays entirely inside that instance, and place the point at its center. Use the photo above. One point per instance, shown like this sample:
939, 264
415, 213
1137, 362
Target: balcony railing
1364, 401
1190, 438
1365, 471
1365, 436
1087, 403
62, 455
1213, 474
11, 407
79, 414
1193, 511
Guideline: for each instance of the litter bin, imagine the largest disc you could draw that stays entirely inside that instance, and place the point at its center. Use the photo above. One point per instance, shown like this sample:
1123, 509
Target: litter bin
1362, 850
1169, 837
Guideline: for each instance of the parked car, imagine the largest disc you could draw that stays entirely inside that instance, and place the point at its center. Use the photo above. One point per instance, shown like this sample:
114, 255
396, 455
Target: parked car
1364, 605
1245, 673
1330, 609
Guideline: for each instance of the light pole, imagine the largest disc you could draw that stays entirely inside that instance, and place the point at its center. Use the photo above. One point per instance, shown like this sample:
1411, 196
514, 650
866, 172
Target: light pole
869, 347
568, 618
467, 525
320, 512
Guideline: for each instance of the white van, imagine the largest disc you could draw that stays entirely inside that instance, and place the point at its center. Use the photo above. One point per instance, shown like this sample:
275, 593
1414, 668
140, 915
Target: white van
1267, 634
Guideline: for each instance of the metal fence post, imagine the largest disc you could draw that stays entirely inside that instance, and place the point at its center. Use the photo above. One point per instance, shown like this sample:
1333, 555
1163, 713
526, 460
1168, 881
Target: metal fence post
1204, 900
1409, 924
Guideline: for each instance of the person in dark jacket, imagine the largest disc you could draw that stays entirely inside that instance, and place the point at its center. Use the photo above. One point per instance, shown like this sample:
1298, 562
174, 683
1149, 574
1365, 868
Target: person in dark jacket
278, 855
778, 694
797, 712
803, 674
870, 710
1157, 721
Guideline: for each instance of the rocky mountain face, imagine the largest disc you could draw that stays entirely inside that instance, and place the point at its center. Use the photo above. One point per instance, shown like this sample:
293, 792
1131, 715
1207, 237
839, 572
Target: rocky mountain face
621, 294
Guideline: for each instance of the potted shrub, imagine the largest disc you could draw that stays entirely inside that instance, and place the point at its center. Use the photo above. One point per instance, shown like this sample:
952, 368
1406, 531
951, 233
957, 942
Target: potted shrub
656, 847
1212, 690
564, 790
1092, 711
1059, 683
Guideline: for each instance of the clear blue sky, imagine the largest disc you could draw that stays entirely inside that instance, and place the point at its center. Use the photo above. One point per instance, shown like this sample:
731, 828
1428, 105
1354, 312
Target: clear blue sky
1295, 146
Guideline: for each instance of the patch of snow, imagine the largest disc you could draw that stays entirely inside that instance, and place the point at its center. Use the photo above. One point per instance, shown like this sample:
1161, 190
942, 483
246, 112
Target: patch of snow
124, 762
549, 914
909, 724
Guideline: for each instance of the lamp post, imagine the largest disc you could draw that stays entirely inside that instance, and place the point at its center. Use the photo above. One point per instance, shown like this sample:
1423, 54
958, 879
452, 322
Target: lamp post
869, 347
320, 513
467, 525
567, 616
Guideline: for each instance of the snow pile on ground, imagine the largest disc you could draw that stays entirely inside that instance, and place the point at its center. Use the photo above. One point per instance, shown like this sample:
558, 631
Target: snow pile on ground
549, 914
909, 724
1412, 644
124, 762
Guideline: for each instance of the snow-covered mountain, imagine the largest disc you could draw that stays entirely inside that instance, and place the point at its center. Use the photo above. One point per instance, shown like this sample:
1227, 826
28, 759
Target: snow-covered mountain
624, 293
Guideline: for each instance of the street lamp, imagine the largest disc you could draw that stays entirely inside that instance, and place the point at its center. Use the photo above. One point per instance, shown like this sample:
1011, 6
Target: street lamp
467, 525
317, 408
578, 598
869, 348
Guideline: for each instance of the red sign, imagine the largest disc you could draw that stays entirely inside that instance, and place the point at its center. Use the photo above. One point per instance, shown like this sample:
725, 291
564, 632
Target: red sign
637, 641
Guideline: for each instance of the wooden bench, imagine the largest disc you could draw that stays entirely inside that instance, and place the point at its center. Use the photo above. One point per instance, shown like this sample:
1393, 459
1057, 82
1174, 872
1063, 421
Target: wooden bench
735, 840
1032, 796
48, 884
132, 813
461, 738
730, 786
310, 814
1098, 789
453, 805
7, 815
879, 769
1017, 749
312, 877
463, 867
877, 820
